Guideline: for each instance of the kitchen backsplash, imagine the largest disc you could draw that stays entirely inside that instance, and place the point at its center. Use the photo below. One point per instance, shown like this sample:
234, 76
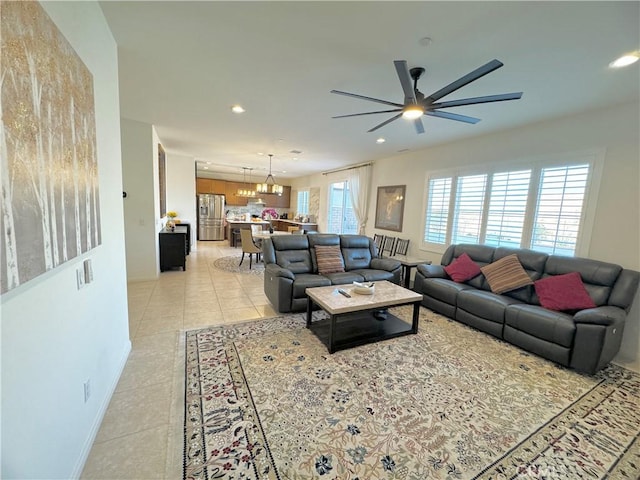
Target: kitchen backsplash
238, 213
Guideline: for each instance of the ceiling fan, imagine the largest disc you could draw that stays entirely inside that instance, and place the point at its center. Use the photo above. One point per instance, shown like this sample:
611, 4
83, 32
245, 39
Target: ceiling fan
416, 104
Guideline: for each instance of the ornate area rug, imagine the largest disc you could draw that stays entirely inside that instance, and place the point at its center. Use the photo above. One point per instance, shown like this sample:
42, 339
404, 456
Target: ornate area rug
231, 264
265, 400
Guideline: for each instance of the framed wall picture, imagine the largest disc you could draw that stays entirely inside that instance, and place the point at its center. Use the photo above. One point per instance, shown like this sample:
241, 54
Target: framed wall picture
390, 207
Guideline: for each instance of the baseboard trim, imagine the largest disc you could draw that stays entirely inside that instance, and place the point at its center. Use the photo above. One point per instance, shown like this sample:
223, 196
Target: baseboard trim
86, 450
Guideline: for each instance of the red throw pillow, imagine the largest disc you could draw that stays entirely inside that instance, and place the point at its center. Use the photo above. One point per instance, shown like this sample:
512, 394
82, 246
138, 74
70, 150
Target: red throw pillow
462, 269
563, 292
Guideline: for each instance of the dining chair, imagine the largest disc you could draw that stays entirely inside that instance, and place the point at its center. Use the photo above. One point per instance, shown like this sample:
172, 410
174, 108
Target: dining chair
387, 245
402, 246
249, 247
377, 240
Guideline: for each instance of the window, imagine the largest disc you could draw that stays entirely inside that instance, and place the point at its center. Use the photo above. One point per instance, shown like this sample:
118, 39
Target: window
302, 206
469, 204
341, 218
507, 208
559, 209
540, 208
438, 210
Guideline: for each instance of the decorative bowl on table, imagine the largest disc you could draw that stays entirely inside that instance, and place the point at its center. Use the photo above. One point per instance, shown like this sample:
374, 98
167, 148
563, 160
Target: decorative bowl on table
364, 288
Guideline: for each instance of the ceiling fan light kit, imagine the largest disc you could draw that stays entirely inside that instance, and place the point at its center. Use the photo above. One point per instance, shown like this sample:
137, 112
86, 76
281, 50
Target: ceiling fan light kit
416, 104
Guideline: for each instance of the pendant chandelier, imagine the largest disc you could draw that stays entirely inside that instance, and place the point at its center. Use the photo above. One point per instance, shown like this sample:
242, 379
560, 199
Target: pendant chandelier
245, 190
269, 186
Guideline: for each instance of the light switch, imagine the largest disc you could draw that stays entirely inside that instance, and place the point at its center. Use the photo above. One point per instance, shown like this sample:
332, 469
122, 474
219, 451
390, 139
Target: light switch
88, 271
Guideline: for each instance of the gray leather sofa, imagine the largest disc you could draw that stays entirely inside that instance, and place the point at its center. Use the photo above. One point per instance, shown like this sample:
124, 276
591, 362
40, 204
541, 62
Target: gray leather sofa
585, 340
291, 266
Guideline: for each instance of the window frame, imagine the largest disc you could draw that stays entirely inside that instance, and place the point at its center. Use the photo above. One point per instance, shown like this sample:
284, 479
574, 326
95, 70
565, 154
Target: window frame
594, 158
302, 191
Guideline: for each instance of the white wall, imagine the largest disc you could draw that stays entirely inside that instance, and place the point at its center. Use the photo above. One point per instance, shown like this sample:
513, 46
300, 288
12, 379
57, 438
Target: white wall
181, 190
616, 232
141, 206
54, 336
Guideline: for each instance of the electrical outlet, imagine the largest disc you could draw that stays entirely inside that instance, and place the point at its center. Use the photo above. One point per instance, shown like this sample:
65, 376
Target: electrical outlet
80, 277
88, 271
87, 390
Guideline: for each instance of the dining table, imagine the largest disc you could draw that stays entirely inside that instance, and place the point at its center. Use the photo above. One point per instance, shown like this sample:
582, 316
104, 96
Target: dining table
266, 234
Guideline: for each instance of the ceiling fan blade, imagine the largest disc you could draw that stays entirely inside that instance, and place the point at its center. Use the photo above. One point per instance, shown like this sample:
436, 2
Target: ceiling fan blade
371, 99
418, 124
462, 81
452, 116
471, 101
368, 113
405, 80
385, 123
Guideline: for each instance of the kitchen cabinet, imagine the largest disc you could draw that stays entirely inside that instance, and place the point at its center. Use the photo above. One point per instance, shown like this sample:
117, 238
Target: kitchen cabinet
283, 225
275, 201
210, 185
232, 198
229, 189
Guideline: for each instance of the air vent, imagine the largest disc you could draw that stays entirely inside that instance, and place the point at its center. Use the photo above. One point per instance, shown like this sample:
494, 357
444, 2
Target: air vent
295, 152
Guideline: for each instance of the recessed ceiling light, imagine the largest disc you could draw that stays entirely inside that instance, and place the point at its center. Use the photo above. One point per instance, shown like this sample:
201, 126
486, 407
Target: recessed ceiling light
237, 109
625, 60
380, 140
206, 168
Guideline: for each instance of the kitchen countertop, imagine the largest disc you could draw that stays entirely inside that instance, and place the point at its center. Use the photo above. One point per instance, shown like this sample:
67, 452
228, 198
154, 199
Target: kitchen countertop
293, 222
259, 222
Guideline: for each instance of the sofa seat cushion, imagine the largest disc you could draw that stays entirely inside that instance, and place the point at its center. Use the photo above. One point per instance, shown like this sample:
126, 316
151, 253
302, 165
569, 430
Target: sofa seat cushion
308, 280
554, 327
342, 278
373, 275
444, 290
485, 304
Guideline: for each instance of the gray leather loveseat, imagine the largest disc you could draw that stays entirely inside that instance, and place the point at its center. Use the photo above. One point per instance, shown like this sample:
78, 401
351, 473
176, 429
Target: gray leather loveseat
291, 266
585, 340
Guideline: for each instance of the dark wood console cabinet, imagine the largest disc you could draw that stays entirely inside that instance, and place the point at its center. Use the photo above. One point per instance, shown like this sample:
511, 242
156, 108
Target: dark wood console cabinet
173, 249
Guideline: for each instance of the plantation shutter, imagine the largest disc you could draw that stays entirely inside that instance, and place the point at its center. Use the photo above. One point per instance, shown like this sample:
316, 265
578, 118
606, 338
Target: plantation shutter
437, 210
507, 208
558, 215
467, 221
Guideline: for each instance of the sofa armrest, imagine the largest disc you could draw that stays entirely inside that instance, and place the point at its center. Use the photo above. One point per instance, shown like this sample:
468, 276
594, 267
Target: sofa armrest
388, 264
432, 271
600, 316
275, 270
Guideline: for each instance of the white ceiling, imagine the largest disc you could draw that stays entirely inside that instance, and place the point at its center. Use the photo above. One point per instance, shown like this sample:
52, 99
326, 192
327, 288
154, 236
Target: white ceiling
183, 64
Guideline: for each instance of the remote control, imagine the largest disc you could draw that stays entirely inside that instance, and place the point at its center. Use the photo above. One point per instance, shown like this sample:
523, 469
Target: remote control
344, 293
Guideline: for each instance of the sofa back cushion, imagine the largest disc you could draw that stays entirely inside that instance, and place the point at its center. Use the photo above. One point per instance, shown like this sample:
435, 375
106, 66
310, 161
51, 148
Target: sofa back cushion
291, 252
598, 277
480, 254
357, 251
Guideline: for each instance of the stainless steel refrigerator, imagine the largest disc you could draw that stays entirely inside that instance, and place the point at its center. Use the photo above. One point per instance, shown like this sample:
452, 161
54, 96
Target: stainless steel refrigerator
210, 217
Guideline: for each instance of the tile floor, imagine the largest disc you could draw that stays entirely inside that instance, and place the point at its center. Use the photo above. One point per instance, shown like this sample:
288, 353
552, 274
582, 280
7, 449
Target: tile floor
138, 439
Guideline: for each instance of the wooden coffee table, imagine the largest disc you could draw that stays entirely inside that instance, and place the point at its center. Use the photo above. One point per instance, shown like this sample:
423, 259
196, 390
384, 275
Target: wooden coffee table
351, 321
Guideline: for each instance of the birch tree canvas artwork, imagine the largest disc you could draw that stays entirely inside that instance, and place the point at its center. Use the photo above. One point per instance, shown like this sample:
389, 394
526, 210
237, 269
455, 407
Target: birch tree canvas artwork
50, 211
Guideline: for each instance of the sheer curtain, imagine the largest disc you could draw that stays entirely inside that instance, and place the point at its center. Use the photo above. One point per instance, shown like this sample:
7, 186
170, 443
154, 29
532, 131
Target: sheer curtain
359, 181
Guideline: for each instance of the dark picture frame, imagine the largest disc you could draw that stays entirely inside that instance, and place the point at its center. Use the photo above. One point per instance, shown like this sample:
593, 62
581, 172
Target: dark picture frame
390, 207
162, 180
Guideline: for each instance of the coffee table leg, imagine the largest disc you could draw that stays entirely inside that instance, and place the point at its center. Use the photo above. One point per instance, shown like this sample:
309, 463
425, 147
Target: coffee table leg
332, 327
416, 316
309, 310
